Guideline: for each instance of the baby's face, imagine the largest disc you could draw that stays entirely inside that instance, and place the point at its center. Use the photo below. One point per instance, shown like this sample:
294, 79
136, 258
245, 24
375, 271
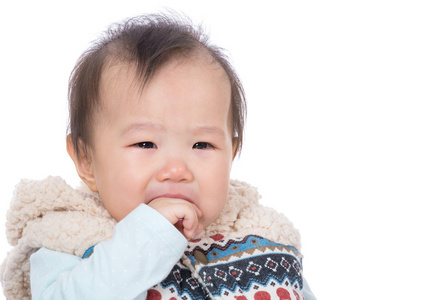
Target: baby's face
172, 140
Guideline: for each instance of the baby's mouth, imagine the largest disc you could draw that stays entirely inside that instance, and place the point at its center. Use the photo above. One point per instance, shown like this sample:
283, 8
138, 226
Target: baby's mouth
173, 196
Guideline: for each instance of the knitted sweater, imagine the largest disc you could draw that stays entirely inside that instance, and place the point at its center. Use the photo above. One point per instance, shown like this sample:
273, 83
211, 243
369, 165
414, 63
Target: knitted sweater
51, 214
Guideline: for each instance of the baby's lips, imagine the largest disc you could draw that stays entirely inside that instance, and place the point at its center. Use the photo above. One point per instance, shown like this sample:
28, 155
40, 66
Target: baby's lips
173, 196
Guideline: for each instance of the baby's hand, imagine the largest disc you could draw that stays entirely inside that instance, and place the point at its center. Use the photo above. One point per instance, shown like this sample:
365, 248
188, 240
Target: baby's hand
181, 213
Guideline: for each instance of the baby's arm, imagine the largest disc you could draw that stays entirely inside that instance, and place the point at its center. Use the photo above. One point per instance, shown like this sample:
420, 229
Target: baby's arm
143, 250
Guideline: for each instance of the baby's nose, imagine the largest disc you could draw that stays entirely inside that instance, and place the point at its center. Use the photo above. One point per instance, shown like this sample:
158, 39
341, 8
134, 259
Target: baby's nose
175, 170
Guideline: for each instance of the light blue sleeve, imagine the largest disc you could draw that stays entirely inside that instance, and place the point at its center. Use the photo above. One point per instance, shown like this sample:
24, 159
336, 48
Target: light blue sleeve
143, 250
307, 293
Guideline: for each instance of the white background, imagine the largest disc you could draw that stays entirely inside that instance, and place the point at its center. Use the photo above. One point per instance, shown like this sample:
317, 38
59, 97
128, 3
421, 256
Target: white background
334, 132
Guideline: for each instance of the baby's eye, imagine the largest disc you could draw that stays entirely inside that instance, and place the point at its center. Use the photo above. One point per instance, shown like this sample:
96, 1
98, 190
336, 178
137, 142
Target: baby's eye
203, 146
146, 145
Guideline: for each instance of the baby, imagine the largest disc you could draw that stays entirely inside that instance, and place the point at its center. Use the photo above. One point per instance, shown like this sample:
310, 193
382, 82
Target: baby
156, 119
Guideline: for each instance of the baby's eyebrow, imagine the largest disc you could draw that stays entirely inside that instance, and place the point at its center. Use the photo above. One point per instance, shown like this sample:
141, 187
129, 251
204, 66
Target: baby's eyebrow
209, 129
141, 126
150, 126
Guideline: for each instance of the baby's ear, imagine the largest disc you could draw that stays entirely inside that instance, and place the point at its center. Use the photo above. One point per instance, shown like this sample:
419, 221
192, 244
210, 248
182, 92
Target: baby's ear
82, 163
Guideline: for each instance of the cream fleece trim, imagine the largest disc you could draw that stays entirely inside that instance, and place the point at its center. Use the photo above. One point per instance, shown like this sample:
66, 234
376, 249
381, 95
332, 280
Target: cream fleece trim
51, 214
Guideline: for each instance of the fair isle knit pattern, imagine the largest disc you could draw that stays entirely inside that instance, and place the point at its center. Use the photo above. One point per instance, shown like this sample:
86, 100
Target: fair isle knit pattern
251, 267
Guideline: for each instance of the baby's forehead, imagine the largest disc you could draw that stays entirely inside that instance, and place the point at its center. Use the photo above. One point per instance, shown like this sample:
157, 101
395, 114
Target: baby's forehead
180, 97
143, 71
134, 76
122, 81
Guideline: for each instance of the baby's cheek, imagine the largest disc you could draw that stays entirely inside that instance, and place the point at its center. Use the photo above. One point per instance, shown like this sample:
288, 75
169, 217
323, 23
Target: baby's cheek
212, 212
